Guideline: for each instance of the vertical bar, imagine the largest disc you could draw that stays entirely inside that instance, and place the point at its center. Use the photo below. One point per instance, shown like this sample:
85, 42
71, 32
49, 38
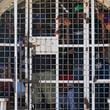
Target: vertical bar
86, 53
26, 58
108, 103
30, 78
5, 104
57, 59
2, 105
15, 55
30, 53
93, 52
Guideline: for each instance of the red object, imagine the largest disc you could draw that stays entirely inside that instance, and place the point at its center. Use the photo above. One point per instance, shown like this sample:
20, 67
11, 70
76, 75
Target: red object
66, 77
4, 86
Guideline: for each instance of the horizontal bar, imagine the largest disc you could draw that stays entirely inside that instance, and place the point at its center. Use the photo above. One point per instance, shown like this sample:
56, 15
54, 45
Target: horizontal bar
64, 45
100, 81
6, 80
81, 45
7, 44
60, 81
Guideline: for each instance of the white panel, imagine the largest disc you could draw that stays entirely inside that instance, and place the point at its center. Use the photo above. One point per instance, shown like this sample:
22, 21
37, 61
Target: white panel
45, 45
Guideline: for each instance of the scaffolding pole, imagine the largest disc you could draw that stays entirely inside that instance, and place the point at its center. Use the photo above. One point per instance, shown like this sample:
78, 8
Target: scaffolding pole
93, 51
26, 49
15, 55
86, 55
28, 55
30, 52
57, 58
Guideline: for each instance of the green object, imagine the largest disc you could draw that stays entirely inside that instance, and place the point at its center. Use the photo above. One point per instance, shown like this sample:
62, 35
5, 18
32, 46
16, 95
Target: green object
79, 8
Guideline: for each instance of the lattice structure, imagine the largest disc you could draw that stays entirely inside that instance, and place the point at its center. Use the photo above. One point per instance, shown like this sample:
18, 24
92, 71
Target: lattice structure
7, 58
63, 55
82, 62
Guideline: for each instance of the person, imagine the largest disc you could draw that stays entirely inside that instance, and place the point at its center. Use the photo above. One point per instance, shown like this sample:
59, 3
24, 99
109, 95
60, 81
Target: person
40, 25
5, 87
102, 71
102, 68
66, 96
20, 88
66, 99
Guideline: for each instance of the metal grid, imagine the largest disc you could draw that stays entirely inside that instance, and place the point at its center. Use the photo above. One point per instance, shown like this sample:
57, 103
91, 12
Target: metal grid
8, 56
63, 55
101, 59
78, 54
68, 73
43, 18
